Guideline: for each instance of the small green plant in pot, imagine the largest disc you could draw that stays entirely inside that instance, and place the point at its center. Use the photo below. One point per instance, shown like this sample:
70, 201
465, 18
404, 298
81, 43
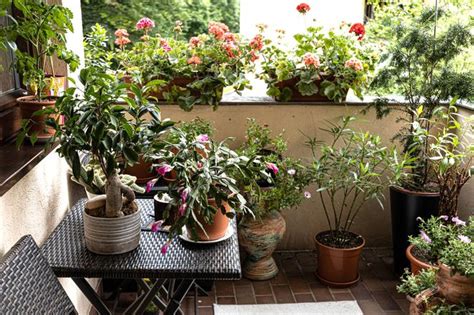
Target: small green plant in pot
42, 28
419, 65
96, 124
281, 187
348, 172
418, 287
204, 193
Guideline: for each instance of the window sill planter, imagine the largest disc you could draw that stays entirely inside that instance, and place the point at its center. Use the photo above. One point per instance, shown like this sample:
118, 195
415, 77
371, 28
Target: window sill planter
296, 96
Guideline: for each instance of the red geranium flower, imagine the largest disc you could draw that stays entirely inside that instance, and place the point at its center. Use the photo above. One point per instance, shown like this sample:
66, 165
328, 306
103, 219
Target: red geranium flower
358, 29
303, 8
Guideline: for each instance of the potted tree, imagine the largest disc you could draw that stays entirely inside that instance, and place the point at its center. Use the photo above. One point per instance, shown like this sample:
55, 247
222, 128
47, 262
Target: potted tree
204, 192
322, 66
281, 188
41, 28
348, 172
96, 124
418, 65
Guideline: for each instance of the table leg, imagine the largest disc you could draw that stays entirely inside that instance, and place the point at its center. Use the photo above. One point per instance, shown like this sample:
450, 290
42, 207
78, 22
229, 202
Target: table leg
92, 296
178, 296
156, 300
139, 306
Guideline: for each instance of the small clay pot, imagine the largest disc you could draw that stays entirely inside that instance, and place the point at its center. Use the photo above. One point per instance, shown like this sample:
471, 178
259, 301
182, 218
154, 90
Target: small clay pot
416, 265
28, 105
338, 267
455, 288
259, 238
217, 228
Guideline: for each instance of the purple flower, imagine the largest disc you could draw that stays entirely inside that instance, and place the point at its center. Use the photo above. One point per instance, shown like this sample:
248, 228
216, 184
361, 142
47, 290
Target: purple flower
182, 209
444, 217
464, 239
163, 169
155, 226
202, 138
425, 237
291, 172
150, 184
458, 221
185, 194
165, 247
272, 167
307, 194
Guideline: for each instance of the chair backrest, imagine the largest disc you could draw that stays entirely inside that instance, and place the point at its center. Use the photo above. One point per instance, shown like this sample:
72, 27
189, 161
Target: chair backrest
27, 283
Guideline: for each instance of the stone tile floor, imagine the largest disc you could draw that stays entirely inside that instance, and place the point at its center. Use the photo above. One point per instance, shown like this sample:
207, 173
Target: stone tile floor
296, 283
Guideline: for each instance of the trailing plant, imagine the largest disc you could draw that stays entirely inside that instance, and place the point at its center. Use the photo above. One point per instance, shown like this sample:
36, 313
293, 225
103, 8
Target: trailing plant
447, 240
201, 169
325, 63
282, 183
95, 123
412, 285
353, 168
43, 28
419, 61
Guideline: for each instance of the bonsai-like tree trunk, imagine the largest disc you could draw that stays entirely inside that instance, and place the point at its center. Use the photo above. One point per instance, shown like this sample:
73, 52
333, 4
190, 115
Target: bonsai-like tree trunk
114, 190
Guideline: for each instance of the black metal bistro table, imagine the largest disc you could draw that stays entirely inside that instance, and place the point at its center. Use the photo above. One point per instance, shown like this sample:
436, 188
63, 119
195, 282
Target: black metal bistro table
181, 266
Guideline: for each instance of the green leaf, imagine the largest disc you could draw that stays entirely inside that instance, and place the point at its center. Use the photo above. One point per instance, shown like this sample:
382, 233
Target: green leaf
130, 154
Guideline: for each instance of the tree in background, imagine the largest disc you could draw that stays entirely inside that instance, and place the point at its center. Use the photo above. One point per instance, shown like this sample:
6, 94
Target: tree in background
195, 14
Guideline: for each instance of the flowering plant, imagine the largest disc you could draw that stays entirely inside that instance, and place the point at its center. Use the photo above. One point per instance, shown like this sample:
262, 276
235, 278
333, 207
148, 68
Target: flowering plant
447, 240
194, 71
322, 63
282, 185
202, 170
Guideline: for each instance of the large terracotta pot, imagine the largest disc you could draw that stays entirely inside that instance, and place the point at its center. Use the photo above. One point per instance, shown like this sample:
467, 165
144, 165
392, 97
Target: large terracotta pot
259, 238
217, 228
28, 105
296, 95
338, 267
416, 265
142, 171
456, 288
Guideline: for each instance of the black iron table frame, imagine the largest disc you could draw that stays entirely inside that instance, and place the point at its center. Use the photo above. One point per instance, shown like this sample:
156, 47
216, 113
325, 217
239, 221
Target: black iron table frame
172, 275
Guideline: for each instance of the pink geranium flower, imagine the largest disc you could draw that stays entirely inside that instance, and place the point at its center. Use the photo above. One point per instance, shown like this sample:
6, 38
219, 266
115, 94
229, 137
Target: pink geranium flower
194, 41
303, 8
257, 42
194, 60
163, 169
354, 64
165, 45
272, 167
203, 138
121, 32
145, 24
230, 37
311, 60
253, 56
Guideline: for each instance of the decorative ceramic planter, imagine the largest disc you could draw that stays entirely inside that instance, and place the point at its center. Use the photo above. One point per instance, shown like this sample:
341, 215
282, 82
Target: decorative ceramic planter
416, 265
259, 238
214, 230
338, 267
406, 206
455, 288
112, 236
28, 105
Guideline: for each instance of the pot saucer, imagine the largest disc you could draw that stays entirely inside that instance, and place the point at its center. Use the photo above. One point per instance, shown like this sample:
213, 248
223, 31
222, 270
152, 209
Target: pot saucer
184, 236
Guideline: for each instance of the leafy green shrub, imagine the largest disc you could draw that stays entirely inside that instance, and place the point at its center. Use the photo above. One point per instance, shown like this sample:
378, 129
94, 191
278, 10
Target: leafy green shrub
412, 285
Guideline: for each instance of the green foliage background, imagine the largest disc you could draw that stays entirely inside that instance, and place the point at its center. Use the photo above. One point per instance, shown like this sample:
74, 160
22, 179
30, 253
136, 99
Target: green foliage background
195, 14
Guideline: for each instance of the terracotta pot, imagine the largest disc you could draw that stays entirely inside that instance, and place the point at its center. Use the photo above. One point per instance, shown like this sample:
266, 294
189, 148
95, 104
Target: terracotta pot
259, 238
423, 301
217, 228
142, 171
296, 95
28, 105
416, 265
338, 267
455, 288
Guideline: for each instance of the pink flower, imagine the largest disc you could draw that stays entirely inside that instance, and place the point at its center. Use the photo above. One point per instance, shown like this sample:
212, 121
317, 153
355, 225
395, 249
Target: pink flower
458, 221
145, 24
230, 37
121, 33
303, 8
307, 194
291, 172
253, 56
464, 239
354, 64
165, 247
203, 138
217, 32
358, 29
231, 50
182, 209
194, 41
199, 165
165, 45
155, 226
272, 167
425, 237
150, 184
122, 41
257, 42
194, 60
311, 60
163, 169
185, 194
